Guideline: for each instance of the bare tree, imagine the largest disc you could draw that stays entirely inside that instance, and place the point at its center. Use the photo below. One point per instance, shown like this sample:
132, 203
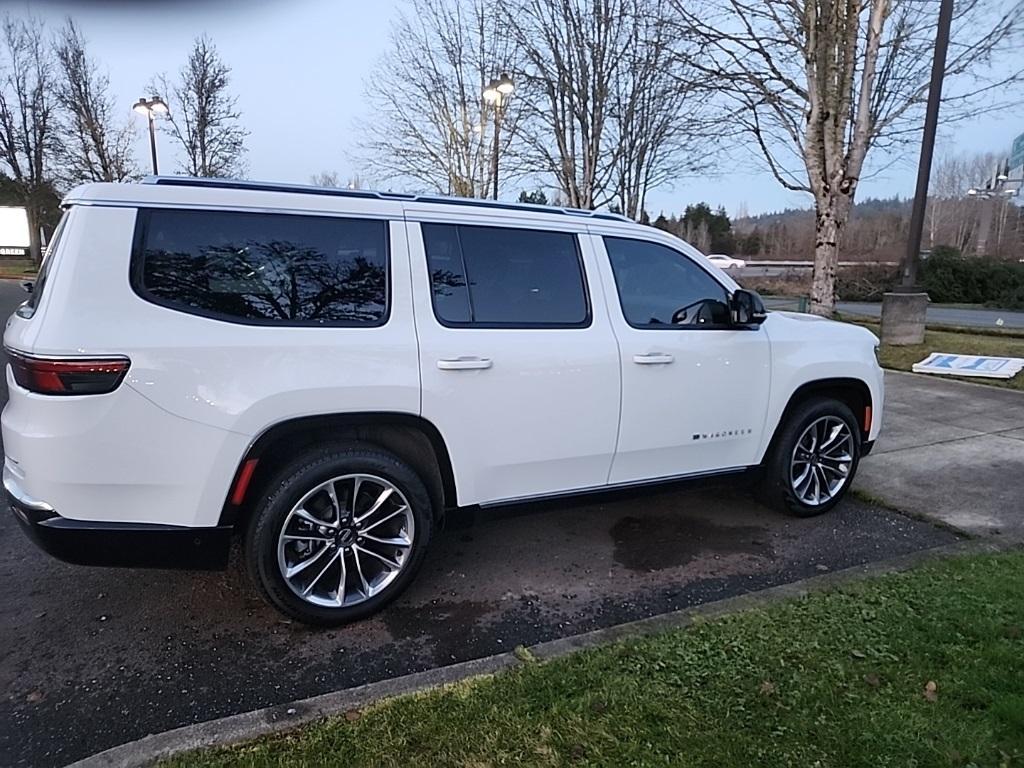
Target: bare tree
952, 215
333, 179
817, 84
27, 119
659, 126
325, 179
608, 109
93, 147
204, 117
573, 51
429, 125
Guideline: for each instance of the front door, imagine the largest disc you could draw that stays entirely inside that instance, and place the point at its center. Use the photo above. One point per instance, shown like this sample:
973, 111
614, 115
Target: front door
694, 389
519, 373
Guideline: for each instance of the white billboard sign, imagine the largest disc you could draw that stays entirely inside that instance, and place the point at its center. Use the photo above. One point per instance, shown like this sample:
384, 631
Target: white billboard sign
13, 232
970, 365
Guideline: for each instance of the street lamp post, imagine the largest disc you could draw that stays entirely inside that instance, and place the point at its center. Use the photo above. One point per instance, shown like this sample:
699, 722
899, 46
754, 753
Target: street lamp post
998, 187
149, 107
497, 94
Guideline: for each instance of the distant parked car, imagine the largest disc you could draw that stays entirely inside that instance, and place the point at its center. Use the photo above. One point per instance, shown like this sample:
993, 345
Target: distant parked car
722, 261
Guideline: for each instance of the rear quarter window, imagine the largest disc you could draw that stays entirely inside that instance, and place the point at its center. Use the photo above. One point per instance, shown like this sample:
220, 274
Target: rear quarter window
263, 269
28, 308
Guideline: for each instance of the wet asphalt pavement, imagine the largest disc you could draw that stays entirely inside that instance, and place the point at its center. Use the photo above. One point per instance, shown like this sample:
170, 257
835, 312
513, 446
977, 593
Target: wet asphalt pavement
90, 658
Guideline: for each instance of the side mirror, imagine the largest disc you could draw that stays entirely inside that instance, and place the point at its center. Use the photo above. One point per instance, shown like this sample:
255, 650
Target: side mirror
28, 286
747, 308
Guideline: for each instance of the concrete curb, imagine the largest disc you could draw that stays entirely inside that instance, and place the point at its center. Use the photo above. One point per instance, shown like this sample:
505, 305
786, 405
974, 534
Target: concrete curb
247, 726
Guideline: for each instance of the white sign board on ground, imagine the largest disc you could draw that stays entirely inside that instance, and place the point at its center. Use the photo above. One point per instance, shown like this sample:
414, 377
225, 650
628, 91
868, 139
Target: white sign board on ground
970, 365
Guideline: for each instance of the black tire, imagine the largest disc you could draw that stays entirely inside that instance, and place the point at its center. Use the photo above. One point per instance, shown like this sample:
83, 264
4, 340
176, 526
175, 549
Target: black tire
775, 488
304, 473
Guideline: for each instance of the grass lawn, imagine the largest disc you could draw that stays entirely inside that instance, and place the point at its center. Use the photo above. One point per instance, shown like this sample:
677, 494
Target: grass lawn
919, 669
964, 342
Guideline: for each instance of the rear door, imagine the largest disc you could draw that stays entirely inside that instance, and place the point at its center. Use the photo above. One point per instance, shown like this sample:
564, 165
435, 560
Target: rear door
518, 361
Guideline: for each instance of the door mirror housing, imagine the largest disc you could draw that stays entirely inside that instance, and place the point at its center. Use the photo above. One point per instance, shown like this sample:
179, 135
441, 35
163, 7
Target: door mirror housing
747, 308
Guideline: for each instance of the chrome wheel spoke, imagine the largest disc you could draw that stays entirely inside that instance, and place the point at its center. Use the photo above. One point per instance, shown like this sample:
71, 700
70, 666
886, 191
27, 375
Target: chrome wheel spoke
301, 537
332, 492
302, 565
320, 575
357, 482
392, 564
397, 541
341, 580
367, 590
840, 470
834, 437
803, 477
302, 514
401, 510
384, 496
385, 532
845, 456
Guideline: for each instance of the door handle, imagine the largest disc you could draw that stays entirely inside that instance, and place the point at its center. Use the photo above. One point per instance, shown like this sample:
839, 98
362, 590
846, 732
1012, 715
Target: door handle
463, 363
653, 358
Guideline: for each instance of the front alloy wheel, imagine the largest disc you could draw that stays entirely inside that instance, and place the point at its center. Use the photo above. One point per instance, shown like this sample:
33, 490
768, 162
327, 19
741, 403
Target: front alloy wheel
812, 458
821, 461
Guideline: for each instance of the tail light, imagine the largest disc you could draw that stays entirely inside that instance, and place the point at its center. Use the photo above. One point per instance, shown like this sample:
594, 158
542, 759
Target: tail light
68, 376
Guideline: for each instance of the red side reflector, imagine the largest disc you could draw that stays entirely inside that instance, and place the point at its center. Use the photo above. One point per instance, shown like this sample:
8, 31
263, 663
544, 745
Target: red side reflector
867, 419
68, 376
242, 483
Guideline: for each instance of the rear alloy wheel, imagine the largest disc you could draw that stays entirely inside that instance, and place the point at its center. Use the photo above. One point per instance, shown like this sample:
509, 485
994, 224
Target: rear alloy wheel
342, 535
346, 540
812, 459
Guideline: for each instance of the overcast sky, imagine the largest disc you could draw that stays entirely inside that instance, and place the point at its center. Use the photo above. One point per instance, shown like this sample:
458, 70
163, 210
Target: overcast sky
299, 68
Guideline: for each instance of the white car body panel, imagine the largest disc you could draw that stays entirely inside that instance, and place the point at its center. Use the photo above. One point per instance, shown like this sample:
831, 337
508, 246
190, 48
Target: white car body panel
559, 410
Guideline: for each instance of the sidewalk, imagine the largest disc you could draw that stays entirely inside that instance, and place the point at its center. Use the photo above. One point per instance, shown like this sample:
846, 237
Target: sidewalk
951, 452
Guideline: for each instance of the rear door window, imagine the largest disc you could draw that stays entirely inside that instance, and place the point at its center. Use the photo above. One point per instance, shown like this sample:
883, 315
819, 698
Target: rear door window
504, 277
260, 268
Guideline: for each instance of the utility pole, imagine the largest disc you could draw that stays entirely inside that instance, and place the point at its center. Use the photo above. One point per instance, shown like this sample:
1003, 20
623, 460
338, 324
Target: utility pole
904, 311
924, 166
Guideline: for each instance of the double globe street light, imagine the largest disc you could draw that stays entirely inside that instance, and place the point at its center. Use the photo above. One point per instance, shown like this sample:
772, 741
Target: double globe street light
497, 94
150, 107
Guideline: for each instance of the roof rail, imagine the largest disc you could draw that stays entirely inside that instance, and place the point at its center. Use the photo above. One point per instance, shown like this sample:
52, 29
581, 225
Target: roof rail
308, 189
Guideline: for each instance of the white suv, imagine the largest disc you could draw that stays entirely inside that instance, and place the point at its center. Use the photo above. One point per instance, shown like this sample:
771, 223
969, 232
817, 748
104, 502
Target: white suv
325, 372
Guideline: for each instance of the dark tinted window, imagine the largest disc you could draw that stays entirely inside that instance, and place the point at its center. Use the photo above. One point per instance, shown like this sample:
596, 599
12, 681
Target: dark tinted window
505, 277
661, 288
264, 268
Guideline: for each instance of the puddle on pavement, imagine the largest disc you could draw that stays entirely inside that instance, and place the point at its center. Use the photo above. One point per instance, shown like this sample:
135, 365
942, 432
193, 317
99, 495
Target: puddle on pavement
653, 543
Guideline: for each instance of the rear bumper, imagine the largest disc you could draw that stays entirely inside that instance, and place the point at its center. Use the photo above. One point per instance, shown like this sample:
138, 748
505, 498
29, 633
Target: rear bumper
132, 545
